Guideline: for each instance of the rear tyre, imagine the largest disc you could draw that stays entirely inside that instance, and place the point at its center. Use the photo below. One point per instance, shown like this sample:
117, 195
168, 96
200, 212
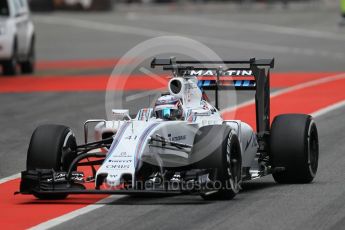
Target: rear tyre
295, 147
28, 67
225, 160
45, 151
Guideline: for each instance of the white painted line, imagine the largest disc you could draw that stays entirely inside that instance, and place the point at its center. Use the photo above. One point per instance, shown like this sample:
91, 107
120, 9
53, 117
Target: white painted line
155, 93
308, 84
328, 109
61, 219
109, 27
6, 179
290, 89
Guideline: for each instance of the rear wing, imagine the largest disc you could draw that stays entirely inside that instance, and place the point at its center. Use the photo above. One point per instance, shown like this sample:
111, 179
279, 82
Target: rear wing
171, 61
211, 78
254, 74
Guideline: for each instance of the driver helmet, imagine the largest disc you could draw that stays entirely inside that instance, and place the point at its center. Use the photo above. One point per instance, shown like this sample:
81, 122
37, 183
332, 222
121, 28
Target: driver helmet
168, 107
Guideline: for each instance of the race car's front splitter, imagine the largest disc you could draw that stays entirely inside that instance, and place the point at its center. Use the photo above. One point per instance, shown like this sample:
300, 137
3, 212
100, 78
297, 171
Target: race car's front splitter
49, 182
110, 192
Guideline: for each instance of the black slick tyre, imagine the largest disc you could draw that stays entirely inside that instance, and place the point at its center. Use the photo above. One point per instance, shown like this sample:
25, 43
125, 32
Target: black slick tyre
45, 151
294, 148
225, 159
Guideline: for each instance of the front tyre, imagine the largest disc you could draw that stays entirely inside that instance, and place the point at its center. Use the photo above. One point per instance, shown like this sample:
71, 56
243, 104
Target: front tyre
294, 148
46, 151
225, 161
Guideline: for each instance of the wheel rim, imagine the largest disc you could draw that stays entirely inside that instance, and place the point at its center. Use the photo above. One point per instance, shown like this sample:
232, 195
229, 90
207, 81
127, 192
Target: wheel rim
313, 149
233, 165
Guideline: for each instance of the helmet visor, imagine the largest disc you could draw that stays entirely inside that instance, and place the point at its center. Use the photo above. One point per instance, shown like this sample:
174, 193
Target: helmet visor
167, 114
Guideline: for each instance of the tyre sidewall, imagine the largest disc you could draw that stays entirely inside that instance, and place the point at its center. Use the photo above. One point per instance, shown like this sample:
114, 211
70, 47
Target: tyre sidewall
218, 160
290, 148
45, 149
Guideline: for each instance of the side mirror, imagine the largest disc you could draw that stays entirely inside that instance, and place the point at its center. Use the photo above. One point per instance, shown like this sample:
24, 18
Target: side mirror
201, 112
121, 113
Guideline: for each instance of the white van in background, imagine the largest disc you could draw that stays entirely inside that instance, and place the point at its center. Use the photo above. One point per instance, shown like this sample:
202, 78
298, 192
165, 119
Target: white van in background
17, 37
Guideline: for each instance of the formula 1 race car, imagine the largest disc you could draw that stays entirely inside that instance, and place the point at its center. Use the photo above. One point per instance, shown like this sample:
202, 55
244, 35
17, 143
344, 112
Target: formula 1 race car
182, 145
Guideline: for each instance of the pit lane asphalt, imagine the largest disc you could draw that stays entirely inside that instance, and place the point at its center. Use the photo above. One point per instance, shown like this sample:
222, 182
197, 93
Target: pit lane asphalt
263, 204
